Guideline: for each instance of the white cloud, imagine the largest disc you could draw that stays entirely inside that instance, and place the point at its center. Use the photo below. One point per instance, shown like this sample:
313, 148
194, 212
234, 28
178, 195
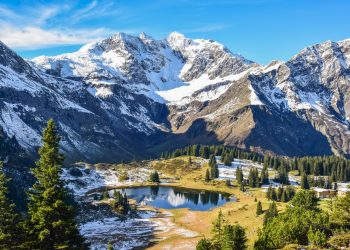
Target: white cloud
32, 37
31, 27
46, 14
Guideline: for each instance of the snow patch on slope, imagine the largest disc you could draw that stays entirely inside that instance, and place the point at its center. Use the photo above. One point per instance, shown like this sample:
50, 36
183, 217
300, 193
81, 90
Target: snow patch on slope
254, 99
93, 178
13, 125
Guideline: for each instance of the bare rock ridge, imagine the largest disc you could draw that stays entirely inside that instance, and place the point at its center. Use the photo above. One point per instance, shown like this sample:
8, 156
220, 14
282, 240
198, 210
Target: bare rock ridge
134, 96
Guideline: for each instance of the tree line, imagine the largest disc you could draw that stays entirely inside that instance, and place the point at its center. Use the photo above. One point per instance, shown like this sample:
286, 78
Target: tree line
205, 151
335, 167
282, 194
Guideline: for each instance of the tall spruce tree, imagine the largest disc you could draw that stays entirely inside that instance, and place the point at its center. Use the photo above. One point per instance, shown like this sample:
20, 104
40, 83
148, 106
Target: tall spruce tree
304, 182
270, 213
259, 208
234, 238
264, 176
218, 227
239, 175
51, 223
10, 233
207, 176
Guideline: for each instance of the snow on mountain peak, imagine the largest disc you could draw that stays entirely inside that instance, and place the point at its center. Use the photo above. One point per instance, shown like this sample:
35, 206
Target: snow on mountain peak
176, 36
178, 41
147, 65
120, 36
145, 37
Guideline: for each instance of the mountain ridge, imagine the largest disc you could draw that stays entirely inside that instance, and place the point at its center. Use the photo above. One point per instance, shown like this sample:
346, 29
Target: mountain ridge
129, 97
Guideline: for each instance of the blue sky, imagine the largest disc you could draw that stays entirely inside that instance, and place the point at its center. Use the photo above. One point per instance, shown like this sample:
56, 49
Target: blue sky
260, 30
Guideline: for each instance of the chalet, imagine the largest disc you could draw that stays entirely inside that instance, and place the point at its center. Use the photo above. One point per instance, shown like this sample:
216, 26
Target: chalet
325, 193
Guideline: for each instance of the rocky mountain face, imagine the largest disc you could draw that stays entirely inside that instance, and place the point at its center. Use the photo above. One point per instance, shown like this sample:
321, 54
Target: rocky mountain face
132, 97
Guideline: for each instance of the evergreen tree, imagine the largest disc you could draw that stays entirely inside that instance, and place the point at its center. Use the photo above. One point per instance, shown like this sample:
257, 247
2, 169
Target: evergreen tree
118, 197
253, 177
259, 208
284, 197
204, 152
340, 214
228, 160
234, 238
195, 150
270, 213
212, 161
10, 233
239, 175
269, 193
51, 223
279, 193
216, 171
264, 176
305, 199
218, 227
110, 246
241, 187
105, 195
207, 176
283, 175
290, 192
154, 177
273, 195
304, 182
190, 160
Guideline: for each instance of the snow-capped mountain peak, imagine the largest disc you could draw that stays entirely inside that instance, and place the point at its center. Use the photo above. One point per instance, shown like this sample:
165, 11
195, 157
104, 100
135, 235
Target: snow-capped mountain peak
125, 89
148, 66
178, 41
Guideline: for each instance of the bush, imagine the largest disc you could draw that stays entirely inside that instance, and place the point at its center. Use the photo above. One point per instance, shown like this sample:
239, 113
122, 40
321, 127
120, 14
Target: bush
204, 244
292, 226
305, 199
225, 236
340, 241
317, 237
105, 195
